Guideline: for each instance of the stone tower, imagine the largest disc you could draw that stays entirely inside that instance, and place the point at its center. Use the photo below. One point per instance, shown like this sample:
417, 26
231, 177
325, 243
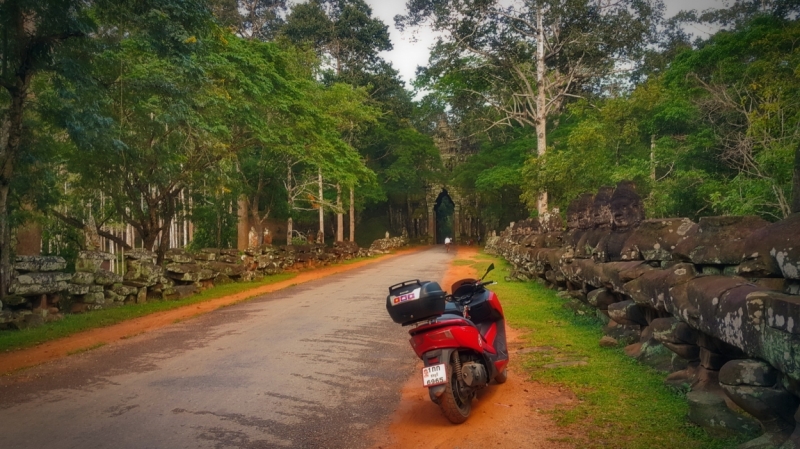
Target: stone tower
466, 222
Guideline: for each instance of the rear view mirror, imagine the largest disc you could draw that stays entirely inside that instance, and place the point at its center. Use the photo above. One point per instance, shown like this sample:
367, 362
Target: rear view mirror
491, 267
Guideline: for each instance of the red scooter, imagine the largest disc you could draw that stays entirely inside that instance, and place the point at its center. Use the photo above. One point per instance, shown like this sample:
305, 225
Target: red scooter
461, 338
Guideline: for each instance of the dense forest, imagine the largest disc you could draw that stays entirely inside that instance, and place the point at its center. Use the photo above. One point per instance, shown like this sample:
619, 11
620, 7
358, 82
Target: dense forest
167, 123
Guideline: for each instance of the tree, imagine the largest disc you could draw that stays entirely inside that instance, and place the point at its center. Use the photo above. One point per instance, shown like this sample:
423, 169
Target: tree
250, 19
652, 136
744, 85
534, 57
171, 118
347, 39
739, 13
343, 33
31, 32
494, 173
313, 145
796, 182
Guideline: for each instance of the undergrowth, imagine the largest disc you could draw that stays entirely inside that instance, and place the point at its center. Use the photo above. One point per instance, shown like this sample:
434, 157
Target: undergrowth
620, 402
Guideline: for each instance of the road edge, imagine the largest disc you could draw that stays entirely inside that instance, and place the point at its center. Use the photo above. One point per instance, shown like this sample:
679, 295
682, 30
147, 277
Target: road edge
16, 360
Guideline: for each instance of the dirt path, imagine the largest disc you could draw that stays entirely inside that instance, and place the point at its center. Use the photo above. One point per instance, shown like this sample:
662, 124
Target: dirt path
504, 416
24, 358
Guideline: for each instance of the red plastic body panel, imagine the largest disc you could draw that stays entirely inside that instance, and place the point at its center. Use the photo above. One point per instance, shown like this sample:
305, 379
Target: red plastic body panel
500, 365
456, 332
451, 336
494, 301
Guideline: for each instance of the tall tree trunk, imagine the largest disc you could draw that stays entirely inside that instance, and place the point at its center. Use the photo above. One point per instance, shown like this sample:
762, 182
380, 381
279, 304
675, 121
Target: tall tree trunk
352, 214
653, 159
391, 218
339, 214
408, 221
163, 245
5, 246
321, 235
10, 139
149, 239
796, 182
541, 104
243, 228
289, 222
219, 230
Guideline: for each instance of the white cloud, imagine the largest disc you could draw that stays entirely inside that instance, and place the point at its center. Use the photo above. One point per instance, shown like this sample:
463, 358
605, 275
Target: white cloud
410, 50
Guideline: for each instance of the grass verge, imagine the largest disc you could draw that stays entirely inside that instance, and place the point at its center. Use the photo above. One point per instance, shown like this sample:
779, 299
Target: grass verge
72, 324
621, 403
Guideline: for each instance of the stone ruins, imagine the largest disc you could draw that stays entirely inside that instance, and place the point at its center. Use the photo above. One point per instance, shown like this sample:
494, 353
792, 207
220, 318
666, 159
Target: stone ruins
715, 303
41, 290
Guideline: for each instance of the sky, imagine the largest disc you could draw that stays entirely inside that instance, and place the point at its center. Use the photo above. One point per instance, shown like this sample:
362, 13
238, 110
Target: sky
407, 54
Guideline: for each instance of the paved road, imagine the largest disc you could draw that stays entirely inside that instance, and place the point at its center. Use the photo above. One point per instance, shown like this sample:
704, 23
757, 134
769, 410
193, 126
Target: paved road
316, 365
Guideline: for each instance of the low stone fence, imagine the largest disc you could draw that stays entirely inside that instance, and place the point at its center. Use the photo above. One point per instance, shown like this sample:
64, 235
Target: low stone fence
40, 290
714, 303
382, 246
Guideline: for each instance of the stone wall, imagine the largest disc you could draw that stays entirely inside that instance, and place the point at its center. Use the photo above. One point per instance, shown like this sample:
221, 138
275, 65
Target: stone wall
383, 246
42, 291
714, 303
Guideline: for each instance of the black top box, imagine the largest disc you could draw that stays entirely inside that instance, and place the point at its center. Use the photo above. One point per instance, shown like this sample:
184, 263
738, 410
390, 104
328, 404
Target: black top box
412, 301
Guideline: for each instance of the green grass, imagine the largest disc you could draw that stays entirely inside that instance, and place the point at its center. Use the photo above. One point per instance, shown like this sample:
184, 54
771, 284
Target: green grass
74, 323
620, 402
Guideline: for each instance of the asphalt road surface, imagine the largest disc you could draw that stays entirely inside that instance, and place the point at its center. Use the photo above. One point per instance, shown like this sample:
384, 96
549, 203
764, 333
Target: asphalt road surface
317, 365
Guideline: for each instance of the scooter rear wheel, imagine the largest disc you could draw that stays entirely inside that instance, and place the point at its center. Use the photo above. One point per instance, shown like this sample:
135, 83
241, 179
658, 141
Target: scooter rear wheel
455, 405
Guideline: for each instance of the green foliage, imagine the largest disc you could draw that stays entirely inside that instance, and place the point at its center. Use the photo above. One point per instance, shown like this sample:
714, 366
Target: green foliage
348, 40
744, 85
139, 106
148, 116
343, 32
372, 229
299, 241
715, 134
259, 19
215, 222
495, 174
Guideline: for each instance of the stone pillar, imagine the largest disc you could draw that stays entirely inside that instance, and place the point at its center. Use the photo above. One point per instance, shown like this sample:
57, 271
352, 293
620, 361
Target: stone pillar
457, 223
755, 387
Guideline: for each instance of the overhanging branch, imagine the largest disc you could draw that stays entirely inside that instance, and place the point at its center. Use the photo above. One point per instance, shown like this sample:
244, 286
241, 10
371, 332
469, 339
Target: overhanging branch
74, 222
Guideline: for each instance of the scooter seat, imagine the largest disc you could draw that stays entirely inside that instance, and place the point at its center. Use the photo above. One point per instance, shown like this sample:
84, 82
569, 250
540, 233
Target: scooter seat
455, 316
451, 308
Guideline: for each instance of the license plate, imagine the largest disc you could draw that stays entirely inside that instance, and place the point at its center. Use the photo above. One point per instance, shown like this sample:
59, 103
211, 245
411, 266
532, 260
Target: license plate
434, 375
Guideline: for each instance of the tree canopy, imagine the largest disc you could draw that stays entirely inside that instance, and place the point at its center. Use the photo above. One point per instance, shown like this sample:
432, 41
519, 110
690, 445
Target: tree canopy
163, 123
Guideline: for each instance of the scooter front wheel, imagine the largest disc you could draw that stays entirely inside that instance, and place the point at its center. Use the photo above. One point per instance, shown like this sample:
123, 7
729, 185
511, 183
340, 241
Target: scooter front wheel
455, 405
